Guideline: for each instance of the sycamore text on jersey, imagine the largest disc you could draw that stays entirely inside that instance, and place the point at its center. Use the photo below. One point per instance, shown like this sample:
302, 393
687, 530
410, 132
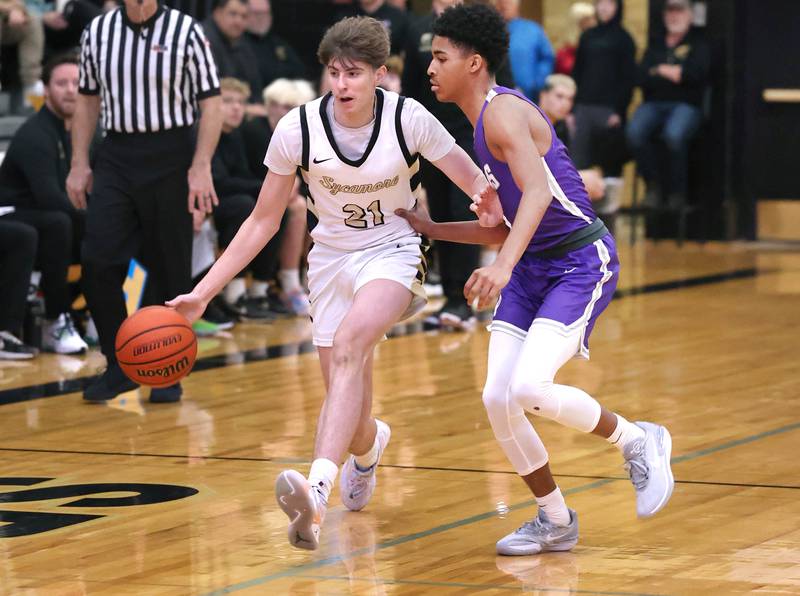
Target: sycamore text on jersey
330, 184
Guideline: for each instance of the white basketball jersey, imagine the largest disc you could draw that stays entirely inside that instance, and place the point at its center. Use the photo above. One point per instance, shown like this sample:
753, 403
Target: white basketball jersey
351, 202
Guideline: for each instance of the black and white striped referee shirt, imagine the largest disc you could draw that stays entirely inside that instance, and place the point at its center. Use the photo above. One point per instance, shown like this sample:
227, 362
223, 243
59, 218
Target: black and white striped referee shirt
151, 75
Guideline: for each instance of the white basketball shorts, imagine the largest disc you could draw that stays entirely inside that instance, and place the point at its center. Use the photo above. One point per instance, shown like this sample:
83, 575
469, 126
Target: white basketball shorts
334, 277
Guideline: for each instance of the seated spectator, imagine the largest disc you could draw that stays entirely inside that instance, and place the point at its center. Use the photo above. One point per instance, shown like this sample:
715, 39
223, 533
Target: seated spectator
556, 100
674, 74
233, 55
17, 255
33, 181
237, 188
529, 51
605, 72
393, 80
582, 17
65, 21
23, 28
279, 97
276, 58
394, 19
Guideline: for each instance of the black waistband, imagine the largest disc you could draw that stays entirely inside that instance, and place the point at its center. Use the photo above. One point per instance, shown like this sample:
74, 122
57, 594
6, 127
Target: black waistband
577, 239
157, 136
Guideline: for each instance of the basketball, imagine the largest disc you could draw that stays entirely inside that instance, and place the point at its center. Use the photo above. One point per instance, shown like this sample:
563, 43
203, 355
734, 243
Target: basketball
156, 346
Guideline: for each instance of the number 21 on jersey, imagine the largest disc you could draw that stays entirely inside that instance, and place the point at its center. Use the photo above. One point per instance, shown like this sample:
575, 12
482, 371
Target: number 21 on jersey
358, 218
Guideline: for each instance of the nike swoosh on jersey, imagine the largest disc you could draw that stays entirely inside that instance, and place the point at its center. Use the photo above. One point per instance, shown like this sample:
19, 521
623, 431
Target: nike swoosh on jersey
321, 160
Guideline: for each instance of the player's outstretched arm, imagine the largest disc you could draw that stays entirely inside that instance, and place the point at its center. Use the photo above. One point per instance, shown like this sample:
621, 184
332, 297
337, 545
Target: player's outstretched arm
252, 236
465, 232
459, 167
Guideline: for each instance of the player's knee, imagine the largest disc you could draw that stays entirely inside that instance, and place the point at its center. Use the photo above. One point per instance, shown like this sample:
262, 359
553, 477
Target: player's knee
535, 395
347, 352
676, 143
495, 400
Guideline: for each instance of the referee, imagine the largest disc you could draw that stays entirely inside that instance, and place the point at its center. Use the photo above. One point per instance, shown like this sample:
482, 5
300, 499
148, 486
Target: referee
147, 70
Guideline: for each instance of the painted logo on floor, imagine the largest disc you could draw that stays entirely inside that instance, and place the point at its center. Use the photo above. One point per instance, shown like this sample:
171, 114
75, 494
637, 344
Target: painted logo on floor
27, 523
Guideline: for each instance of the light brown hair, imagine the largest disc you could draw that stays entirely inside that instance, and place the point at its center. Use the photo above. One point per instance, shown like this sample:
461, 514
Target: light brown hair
355, 39
232, 84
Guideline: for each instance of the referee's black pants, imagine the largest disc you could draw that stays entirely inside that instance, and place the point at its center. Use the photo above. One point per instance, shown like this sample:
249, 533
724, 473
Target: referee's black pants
446, 203
138, 208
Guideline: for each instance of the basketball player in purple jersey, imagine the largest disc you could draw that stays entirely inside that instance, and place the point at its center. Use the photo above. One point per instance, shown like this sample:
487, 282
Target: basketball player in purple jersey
556, 272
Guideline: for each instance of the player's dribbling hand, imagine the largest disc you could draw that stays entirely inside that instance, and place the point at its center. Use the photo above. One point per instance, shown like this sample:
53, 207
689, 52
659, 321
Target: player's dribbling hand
190, 306
417, 218
486, 205
485, 284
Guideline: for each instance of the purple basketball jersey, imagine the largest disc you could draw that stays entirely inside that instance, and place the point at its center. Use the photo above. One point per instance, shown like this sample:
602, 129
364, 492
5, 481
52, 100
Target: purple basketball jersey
569, 210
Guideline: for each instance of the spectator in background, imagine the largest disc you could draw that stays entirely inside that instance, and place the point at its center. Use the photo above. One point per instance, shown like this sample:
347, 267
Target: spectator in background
394, 75
276, 58
582, 17
237, 188
33, 180
605, 72
65, 21
395, 20
674, 75
17, 255
233, 54
446, 202
23, 28
280, 97
530, 51
556, 101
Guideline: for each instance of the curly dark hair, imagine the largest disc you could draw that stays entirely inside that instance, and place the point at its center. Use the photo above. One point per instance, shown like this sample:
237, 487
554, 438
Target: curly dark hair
477, 27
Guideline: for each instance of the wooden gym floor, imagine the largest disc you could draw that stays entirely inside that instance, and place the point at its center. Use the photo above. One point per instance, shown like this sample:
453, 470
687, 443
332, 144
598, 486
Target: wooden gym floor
134, 498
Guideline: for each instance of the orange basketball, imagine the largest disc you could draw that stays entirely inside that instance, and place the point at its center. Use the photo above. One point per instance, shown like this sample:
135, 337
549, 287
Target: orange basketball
156, 346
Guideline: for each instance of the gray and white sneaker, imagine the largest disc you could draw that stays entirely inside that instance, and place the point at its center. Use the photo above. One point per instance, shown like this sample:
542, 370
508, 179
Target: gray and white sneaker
648, 463
12, 348
357, 485
540, 535
305, 507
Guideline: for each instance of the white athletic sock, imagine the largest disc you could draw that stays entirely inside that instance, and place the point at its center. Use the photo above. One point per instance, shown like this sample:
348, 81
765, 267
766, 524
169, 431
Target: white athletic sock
554, 507
624, 433
258, 289
322, 476
289, 280
235, 290
365, 461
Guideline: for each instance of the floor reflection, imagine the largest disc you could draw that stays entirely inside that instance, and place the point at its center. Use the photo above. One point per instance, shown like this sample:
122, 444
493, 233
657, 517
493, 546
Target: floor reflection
545, 574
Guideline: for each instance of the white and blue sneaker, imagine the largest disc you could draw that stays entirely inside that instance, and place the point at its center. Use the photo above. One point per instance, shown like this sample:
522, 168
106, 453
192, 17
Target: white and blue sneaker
304, 506
61, 337
540, 535
648, 463
358, 485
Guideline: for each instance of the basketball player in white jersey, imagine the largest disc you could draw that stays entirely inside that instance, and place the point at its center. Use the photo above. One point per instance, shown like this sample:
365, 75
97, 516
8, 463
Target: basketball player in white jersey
357, 148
